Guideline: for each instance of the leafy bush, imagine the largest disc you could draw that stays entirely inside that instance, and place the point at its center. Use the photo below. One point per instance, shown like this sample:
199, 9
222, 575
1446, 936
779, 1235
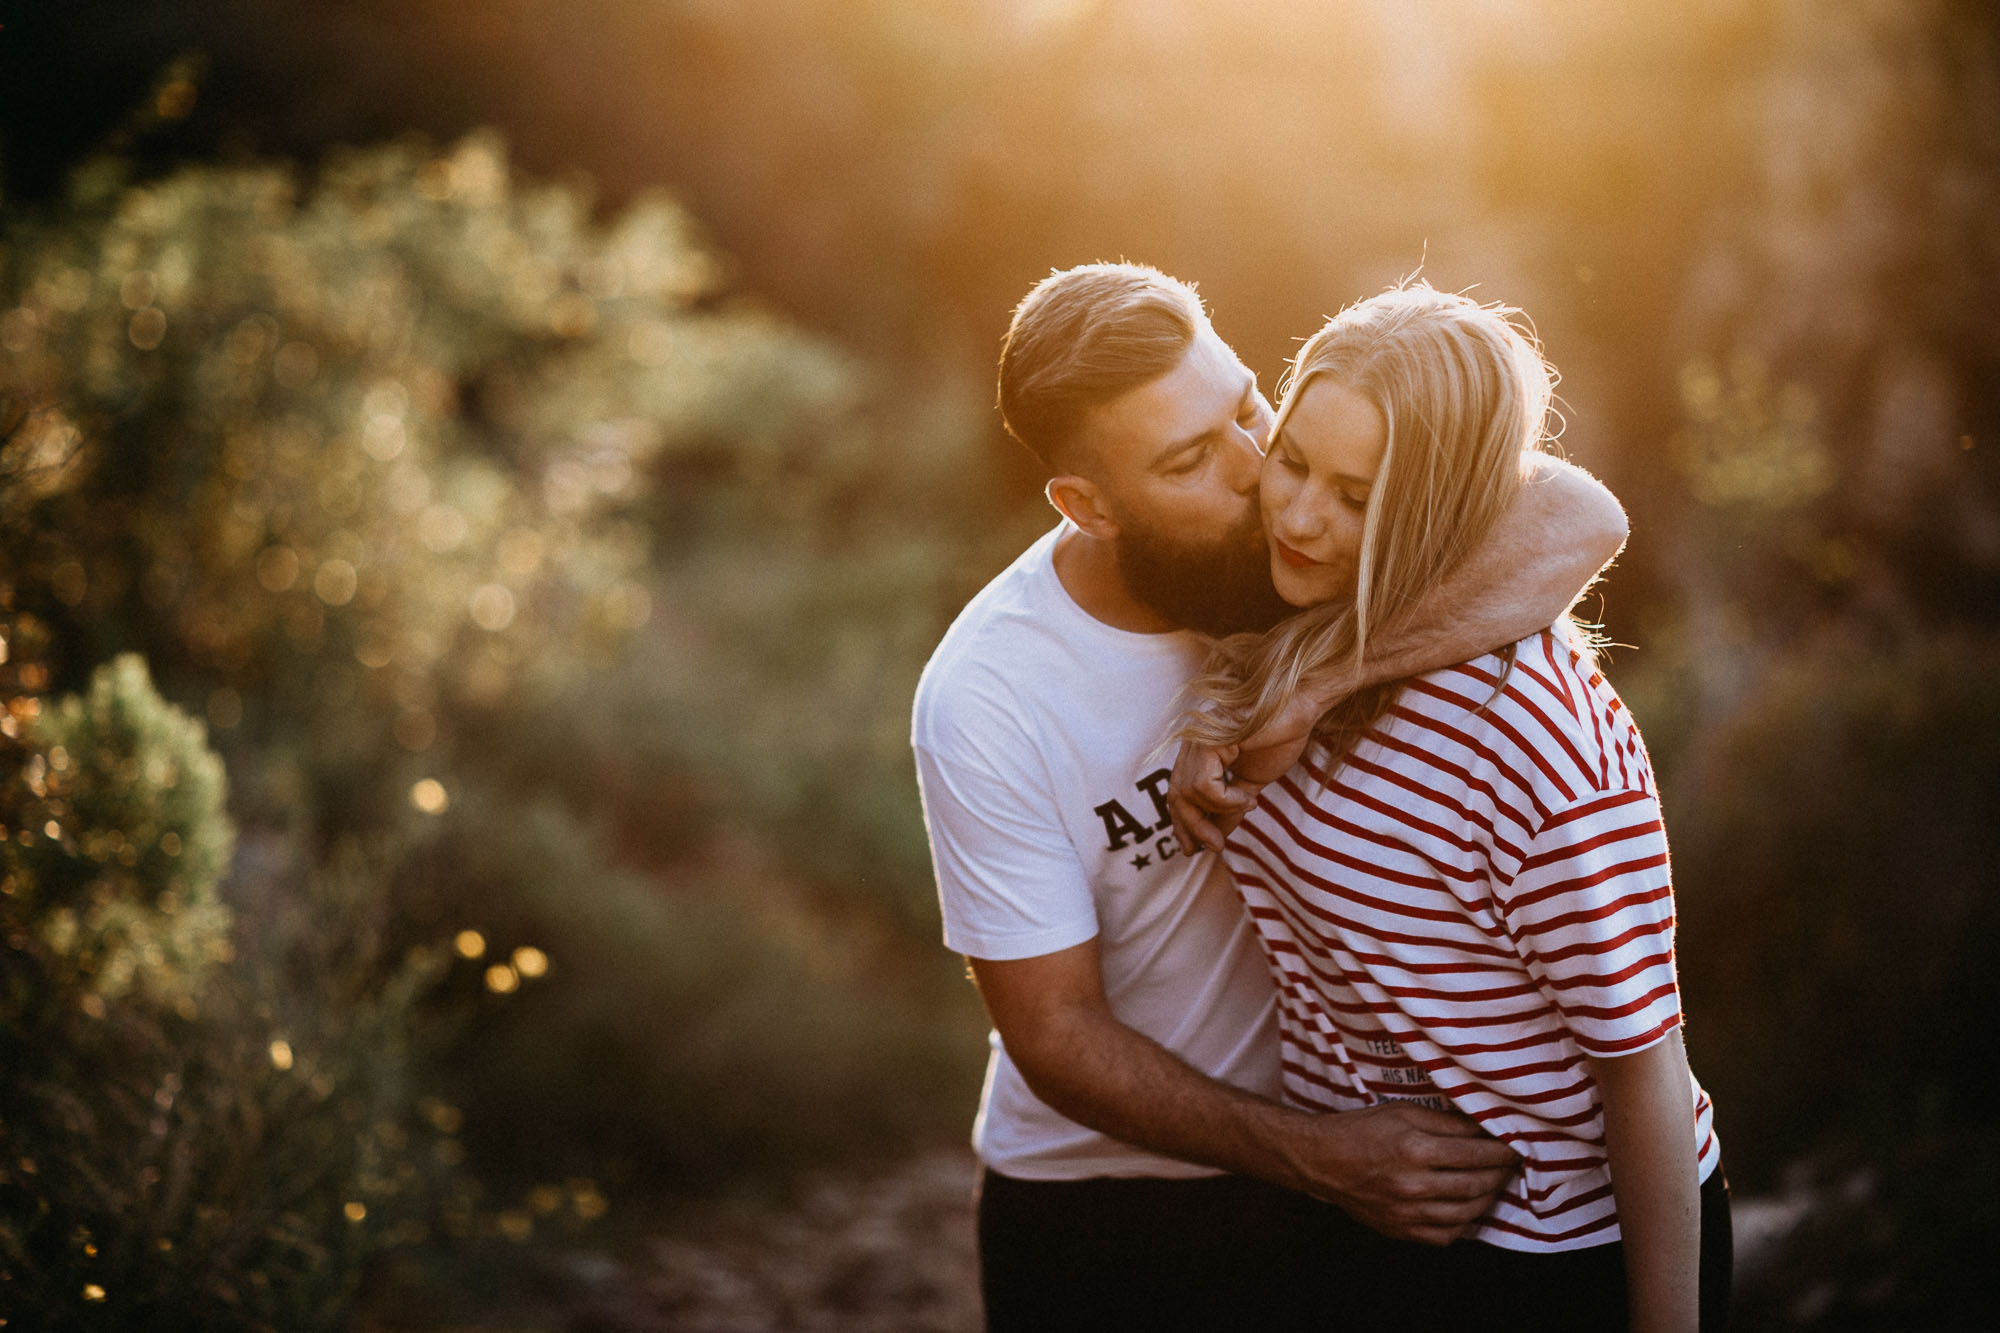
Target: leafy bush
693, 1027
556, 614
187, 1144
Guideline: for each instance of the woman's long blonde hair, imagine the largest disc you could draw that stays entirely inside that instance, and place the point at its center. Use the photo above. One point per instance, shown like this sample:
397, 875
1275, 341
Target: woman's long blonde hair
1466, 395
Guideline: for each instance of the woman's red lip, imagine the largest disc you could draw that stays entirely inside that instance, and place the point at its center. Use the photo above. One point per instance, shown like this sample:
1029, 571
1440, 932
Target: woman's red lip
1295, 559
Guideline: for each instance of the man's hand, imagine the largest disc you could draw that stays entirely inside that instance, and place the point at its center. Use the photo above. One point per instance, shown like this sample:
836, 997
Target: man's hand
1405, 1170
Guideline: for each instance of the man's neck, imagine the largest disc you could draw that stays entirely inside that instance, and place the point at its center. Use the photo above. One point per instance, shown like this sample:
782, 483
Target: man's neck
1088, 569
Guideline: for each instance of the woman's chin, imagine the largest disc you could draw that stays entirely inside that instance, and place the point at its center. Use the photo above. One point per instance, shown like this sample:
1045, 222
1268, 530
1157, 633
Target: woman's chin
1299, 588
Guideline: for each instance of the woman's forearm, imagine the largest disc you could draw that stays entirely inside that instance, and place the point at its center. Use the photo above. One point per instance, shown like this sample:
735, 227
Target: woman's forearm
1649, 1134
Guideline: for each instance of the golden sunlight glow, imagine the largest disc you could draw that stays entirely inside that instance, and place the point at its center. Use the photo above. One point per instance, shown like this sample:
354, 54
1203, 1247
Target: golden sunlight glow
470, 944
429, 796
502, 979
530, 962
281, 1054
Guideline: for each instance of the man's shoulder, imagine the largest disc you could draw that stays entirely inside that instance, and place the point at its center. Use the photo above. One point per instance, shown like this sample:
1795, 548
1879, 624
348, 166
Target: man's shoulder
987, 657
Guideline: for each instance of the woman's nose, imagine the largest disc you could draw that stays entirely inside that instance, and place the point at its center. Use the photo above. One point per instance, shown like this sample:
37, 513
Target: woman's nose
1299, 521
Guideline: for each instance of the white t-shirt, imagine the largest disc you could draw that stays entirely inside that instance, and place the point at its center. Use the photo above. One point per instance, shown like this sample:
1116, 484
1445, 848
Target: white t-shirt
1040, 741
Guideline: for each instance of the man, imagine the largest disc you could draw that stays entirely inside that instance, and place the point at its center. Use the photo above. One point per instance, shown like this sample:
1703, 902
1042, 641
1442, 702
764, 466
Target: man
1138, 1166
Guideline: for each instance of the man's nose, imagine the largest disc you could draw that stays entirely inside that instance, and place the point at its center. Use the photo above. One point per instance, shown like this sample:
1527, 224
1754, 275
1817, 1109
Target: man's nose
1260, 427
1246, 461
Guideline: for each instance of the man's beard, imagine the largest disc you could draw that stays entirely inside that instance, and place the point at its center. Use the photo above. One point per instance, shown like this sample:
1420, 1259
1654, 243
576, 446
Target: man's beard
1216, 588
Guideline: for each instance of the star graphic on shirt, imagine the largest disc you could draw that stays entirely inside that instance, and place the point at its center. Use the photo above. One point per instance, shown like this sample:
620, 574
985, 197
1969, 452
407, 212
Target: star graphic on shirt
1141, 861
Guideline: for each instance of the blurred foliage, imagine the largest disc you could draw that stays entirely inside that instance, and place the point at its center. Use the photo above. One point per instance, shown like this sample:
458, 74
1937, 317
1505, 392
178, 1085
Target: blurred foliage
1839, 954
184, 1145
117, 840
557, 614
740, 1036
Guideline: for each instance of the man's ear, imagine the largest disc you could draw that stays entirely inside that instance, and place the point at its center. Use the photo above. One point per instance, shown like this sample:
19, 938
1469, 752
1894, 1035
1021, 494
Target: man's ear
1082, 504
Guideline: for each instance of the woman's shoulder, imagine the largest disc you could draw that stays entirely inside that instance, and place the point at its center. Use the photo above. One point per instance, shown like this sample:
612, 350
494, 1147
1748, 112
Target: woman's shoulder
1541, 703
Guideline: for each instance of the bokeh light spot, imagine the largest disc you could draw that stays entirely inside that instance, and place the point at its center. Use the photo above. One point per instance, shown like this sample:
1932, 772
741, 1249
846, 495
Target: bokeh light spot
587, 1201
137, 290
70, 583
335, 582
175, 99
491, 606
441, 528
277, 568
148, 328
429, 796
520, 551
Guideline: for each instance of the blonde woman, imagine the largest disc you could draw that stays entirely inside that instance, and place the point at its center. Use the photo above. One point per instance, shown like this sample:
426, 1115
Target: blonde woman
1462, 888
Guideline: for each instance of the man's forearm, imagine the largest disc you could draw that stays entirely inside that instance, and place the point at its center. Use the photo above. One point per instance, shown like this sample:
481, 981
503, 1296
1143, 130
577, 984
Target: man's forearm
1405, 1170
1117, 1081
1562, 529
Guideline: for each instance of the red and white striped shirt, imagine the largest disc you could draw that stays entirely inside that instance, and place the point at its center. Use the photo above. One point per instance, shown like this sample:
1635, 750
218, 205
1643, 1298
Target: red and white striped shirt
1476, 901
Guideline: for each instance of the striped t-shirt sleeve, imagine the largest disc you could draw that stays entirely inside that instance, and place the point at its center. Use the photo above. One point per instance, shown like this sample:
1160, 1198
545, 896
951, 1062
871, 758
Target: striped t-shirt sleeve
1591, 911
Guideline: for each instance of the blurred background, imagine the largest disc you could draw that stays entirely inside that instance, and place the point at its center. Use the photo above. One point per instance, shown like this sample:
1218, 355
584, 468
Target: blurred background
479, 483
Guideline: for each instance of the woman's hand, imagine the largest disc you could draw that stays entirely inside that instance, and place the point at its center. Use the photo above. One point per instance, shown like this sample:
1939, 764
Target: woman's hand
1203, 800
1213, 787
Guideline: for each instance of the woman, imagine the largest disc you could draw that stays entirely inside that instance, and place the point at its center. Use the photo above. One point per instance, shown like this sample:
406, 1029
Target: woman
1463, 887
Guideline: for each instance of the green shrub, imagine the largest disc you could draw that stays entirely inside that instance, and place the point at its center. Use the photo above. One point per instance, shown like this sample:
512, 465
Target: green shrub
185, 1143
538, 591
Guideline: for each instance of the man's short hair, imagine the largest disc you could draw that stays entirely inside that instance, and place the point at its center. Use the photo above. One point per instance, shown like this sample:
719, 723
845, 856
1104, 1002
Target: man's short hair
1084, 336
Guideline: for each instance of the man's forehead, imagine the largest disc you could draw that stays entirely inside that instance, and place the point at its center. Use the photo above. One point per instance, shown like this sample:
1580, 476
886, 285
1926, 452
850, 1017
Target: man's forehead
1201, 392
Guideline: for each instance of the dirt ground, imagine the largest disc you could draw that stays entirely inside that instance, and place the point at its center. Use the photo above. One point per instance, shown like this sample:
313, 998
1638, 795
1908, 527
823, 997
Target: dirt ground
883, 1250
889, 1251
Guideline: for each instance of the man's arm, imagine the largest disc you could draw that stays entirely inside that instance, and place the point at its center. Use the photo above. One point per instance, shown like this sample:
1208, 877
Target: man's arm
1561, 531
1404, 1170
1548, 547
